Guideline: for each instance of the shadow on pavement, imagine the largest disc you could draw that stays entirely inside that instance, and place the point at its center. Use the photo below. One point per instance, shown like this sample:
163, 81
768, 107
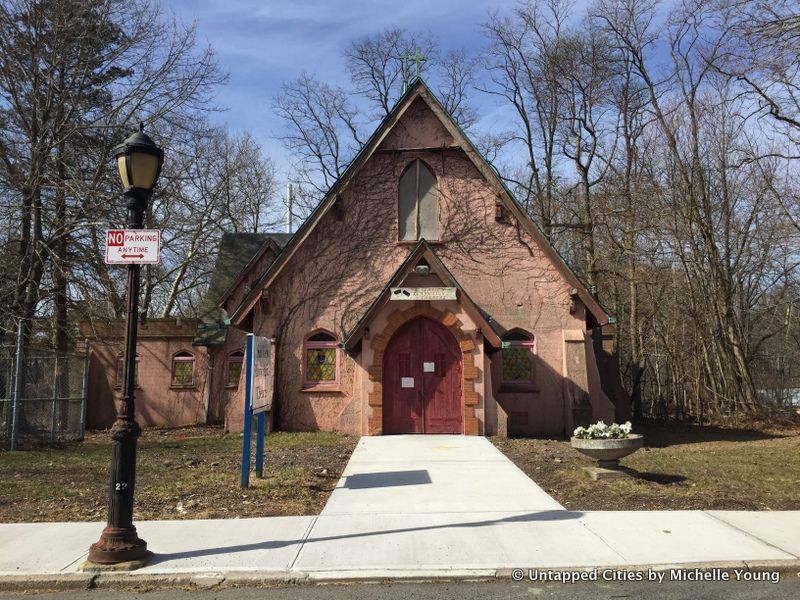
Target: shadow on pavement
387, 479
662, 434
540, 516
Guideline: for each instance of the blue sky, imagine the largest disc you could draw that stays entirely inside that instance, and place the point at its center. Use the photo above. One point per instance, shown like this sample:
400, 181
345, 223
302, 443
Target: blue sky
263, 44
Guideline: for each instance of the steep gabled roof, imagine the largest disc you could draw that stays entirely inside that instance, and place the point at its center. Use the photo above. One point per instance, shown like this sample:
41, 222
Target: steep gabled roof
238, 253
438, 268
419, 89
239, 264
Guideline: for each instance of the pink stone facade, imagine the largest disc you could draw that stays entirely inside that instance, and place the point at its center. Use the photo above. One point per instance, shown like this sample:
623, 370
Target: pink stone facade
159, 403
353, 251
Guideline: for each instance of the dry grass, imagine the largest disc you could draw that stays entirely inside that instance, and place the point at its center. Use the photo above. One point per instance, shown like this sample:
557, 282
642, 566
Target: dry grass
681, 467
190, 473
193, 473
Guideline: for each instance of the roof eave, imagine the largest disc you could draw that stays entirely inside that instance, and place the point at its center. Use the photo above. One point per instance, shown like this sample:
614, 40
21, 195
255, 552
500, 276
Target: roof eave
269, 243
240, 313
486, 169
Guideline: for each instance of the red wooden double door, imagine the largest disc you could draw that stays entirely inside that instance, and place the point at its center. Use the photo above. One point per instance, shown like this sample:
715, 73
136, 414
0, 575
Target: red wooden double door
422, 380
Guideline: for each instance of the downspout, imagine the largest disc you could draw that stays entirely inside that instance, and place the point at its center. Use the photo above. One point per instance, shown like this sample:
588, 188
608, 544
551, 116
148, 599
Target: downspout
209, 383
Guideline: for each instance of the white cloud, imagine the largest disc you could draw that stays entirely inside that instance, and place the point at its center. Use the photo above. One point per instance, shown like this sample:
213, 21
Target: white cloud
262, 44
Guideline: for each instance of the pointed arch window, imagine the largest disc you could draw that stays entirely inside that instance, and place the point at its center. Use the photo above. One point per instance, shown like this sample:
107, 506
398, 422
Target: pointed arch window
518, 355
418, 204
320, 359
183, 369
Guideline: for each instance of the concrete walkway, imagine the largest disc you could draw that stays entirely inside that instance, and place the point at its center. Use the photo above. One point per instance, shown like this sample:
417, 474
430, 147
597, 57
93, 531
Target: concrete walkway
440, 503
433, 474
411, 506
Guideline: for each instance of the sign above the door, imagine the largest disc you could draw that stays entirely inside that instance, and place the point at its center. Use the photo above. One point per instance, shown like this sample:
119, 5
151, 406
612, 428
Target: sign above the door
422, 293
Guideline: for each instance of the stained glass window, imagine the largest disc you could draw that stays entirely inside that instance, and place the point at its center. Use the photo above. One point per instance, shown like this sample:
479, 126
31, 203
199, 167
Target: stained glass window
321, 364
518, 358
320, 359
235, 360
183, 369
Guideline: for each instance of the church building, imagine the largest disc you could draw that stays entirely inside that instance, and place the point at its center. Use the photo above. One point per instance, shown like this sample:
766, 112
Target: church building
418, 297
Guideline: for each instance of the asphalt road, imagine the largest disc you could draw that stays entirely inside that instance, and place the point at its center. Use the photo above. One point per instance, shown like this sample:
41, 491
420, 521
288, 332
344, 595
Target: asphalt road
787, 589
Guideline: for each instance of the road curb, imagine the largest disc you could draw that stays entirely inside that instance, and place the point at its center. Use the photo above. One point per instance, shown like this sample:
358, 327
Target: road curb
47, 583
384, 575
231, 579
784, 567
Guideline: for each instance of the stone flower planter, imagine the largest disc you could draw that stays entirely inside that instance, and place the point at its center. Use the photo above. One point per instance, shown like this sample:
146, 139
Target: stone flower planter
607, 452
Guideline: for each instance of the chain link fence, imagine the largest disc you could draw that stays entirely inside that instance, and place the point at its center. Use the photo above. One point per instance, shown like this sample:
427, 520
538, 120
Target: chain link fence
49, 404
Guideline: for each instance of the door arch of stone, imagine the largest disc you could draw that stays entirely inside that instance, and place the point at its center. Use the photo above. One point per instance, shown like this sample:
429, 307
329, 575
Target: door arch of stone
396, 319
422, 374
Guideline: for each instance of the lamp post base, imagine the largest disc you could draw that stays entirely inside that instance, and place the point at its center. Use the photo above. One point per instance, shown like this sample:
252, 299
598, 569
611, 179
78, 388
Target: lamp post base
130, 565
118, 545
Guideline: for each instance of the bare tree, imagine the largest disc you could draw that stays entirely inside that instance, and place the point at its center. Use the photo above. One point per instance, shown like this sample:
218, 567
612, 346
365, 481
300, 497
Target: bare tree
324, 125
323, 129
720, 226
762, 53
586, 79
375, 64
522, 62
70, 74
215, 183
376, 68
455, 78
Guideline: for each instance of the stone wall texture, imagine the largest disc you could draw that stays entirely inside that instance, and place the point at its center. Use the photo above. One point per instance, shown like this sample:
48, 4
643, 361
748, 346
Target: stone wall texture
349, 257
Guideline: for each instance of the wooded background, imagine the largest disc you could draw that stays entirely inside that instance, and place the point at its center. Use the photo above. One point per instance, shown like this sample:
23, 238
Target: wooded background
655, 144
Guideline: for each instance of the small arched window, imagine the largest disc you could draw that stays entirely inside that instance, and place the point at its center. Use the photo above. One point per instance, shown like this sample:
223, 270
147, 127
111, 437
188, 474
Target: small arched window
120, 369
233, 368
321, 360
518, 354
183, 369
418, 204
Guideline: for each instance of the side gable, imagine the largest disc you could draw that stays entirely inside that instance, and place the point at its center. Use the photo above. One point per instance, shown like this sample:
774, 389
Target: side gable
273, 243
238, 255
393, 133
235, 251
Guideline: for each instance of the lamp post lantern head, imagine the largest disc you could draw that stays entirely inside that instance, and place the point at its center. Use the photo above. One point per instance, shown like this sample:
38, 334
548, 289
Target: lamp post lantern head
139, 161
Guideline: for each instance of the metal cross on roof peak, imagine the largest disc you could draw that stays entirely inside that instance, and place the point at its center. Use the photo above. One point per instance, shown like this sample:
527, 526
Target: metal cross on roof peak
418, 58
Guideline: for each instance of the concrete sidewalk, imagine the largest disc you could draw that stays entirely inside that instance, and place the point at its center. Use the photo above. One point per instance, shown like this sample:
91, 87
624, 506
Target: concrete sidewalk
440, 474
420, 506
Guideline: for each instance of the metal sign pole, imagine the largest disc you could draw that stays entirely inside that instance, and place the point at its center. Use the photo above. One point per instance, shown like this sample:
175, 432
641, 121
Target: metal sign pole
244, 479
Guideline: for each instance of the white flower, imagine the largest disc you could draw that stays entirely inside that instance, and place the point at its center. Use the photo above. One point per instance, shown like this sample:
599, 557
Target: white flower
602, 431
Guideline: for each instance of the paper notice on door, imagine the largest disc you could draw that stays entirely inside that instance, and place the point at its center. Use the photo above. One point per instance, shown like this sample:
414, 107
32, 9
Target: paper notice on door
429, 367
406, 382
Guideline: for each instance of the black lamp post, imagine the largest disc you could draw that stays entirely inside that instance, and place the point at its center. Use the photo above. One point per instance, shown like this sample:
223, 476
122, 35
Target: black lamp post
139, 161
